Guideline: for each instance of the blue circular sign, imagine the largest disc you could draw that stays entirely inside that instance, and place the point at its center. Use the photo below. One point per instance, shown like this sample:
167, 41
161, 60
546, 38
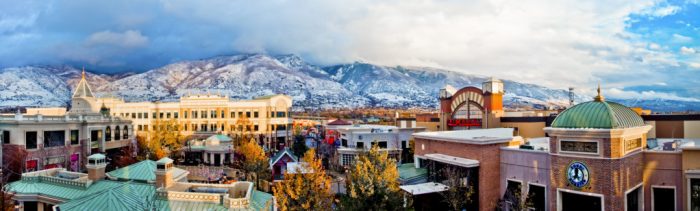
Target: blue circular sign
577, 174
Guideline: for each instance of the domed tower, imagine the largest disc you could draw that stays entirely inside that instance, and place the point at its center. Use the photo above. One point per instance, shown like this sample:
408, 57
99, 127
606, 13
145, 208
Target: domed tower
596, 153
83, 101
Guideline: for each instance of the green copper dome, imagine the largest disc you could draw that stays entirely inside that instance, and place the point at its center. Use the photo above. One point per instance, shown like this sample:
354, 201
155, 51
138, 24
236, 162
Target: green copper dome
598, 114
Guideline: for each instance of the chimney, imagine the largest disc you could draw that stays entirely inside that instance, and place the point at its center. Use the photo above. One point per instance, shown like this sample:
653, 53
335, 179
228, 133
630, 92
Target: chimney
96, 167
164, 173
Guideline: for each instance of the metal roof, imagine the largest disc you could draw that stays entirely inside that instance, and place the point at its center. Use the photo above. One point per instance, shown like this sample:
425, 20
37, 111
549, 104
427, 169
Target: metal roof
34, 186
96, 156
143, 171
221, 138
408, 171
599, 115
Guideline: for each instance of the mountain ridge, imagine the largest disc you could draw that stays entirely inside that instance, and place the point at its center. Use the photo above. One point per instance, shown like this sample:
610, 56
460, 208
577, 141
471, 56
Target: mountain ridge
245, 76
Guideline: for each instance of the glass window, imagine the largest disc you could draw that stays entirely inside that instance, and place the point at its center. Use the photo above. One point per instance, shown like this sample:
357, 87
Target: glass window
223, 114
194, 115
74, 137
30, 140
175, 115
212, 114
535, 198
664, 198
133, 115
5, 137
54, 138
512, 194
233, 114
694, 194
255, 114
167, 115
360, 145
185, 114
240, 114
382, 144
108, 134
140, 116
272, 114
255, 127
117, 133
281, 114
247, 114
161, 115
203, 114
155, 115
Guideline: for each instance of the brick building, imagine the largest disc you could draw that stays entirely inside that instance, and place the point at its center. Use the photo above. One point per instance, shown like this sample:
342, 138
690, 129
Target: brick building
597, 156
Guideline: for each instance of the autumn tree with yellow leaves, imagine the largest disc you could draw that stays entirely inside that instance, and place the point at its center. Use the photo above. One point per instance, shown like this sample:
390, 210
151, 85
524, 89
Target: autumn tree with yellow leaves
163, 140
308, 190
373, 183
253, 160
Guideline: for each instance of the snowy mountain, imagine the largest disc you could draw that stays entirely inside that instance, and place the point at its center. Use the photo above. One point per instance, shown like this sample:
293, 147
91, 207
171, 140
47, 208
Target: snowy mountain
250, 75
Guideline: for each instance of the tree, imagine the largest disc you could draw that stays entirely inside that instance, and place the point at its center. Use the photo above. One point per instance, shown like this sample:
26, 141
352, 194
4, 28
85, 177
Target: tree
309, 188
373, 182
299, 147
459, 195
164, 140
253, 160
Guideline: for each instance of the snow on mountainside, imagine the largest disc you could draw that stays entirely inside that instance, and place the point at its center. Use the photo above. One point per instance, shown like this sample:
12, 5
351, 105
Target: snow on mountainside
251, 75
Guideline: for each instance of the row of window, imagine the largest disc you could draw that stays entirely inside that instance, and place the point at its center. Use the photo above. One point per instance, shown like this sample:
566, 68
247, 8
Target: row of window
201, 115
51, 138
208, 127
118, 134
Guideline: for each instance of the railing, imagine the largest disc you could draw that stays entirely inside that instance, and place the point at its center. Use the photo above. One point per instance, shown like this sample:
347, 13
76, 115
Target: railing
41, 118
190, 196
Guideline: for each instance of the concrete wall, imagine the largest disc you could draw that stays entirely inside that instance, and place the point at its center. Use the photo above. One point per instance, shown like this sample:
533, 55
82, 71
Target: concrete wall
526, 129
527, 166
691, 129
669, 129
663, 169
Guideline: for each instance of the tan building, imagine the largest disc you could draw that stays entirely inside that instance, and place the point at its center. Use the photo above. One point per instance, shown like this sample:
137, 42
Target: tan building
265, 117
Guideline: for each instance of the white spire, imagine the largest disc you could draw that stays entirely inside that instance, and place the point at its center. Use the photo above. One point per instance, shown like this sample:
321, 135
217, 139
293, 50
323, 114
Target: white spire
83, 88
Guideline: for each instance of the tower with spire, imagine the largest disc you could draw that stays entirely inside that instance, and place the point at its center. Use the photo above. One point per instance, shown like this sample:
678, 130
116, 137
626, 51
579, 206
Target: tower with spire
83, 100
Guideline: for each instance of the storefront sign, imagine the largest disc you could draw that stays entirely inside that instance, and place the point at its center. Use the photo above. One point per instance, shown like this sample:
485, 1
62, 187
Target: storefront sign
464, 122
633, 144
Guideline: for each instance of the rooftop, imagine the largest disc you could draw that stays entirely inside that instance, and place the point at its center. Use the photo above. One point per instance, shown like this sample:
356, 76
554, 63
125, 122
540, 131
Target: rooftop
452, 160
424, 188
143, 171
477, 136
409, 172
598, 114
672, 144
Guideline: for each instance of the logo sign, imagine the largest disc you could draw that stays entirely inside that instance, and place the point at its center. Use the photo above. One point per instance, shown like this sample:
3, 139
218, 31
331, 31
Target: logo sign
578, 174
464, 122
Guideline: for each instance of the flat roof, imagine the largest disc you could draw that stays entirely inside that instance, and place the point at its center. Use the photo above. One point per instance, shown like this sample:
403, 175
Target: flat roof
452, 160
424, 188
476, 136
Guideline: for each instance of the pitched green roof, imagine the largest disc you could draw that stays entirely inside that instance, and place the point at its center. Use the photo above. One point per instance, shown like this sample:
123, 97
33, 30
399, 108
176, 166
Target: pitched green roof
65, 192
96, 156
599, 115
280, 154
126, 196
143, 171
221, 138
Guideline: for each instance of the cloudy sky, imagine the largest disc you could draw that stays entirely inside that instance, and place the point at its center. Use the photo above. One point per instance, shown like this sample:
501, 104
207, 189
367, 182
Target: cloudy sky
635, 48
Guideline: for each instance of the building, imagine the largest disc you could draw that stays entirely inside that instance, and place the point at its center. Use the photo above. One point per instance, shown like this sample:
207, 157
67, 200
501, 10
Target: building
148, 185
355, 139
216, 150
471, 107
63, 141
598, 156
279, 163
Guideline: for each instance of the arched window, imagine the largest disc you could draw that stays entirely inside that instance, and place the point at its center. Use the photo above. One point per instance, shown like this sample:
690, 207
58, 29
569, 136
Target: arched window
117, 133
108, 134
125, 134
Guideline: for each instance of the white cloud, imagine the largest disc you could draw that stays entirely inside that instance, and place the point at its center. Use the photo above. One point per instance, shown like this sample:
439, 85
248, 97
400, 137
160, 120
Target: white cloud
695, 65
645, 95
687, 51
665, 11
128, 39
681, 39
654, 46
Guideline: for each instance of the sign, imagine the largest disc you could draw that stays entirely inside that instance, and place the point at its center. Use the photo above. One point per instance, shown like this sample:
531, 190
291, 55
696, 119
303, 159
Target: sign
577, 174
633, 144
464, 122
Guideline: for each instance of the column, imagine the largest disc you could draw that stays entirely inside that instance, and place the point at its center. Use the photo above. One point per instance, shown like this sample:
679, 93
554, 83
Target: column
211, 158
221, 158
40, 206
21, 205
206, 157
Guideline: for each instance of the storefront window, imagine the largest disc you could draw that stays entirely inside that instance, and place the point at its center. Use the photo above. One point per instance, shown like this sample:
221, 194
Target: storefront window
54, 138
695, 194
74, 137
30, 140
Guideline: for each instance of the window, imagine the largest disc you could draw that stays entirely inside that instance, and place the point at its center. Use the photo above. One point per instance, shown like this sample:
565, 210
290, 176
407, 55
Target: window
255, 114
204, 127
255, 127
634, 199
185, 114
536, 197
360, 145
348, 159
359, 137
74, 137
140, 127
175, 115
54, 138
247, 114
240, 114
281, 127
272, 114
194, 115
108, 134
195, 127
133, 115
5, 137
233, 114
140, 116
223, 114
587, 147
663, 198
281, 114
161, 115
185, 129
30, 140
403, 145
167, 115
117, 133
512, 194
203, 114
125, 133
382, 144
212, 114
694, 192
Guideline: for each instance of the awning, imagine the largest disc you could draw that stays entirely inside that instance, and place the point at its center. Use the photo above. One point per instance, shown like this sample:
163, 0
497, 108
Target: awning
452, 160
424, 188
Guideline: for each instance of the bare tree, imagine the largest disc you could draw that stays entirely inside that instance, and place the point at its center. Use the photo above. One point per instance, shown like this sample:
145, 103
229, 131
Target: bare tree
460, 192
14, 159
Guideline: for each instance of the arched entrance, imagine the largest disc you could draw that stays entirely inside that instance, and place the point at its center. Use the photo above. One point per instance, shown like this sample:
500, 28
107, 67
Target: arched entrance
466, 109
